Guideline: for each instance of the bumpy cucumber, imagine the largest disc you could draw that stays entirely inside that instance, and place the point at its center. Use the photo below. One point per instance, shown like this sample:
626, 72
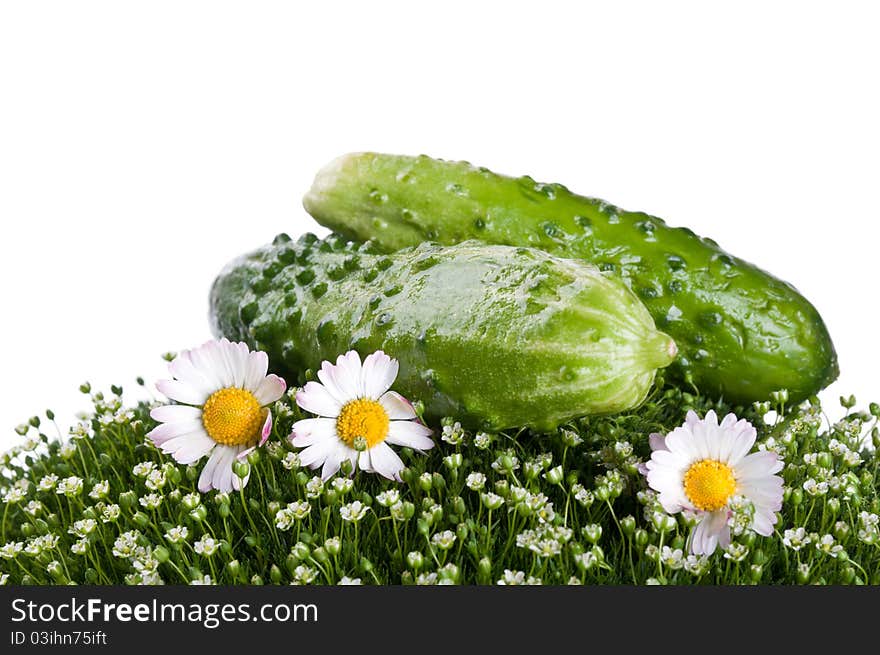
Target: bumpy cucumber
741, 332
494, 335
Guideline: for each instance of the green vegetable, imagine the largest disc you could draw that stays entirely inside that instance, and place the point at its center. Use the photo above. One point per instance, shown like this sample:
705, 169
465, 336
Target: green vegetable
497, 336
741, 332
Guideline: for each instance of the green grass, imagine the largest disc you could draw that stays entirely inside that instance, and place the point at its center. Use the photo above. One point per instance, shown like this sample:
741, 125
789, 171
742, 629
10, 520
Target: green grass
571, 507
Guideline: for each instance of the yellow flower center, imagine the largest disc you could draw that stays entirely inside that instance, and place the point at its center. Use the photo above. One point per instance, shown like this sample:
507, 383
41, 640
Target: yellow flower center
709, 484
362, 418
233, 417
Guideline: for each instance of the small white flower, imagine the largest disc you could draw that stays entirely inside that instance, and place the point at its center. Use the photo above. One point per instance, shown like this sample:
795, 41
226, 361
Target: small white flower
702, 465
10, 549
67, 450
736, 552
100, 490
70, 487
34, 507
512, 578
491, 500
151, 501
155, 480
47, 482
453, 434
14, 496
426, 579
354, 511
205, 580
177, 534
852, 458
291, 461
388, 497
83, 527
342, 485
143, 469
191, 500
110, 513
3, 578
345, 580
358, 417
586, 561
696, 564
482, 440
126, 544
827, 545
80, 547
206, 546
314, 487
444, 540
584, 496
304, 574
816, 488
223, 392
673, 559
475, 481
795, 539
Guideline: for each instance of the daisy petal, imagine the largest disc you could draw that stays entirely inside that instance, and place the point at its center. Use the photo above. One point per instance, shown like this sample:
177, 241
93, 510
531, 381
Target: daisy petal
270, 389
411, 434
182, 392
364, 461
257, 366
396, 406
311, 430
333, 460
386, 462
165, 431
175, 413
378, 374
205, 479
223, 475
315, 398
189, 448
657, 441
758, 465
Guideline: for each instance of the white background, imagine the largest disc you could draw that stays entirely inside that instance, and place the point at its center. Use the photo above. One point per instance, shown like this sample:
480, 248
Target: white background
142, 145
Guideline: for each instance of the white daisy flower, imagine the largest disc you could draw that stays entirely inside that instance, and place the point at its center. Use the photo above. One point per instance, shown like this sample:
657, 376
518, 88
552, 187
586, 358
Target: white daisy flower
701, 466
358, 417
223, 391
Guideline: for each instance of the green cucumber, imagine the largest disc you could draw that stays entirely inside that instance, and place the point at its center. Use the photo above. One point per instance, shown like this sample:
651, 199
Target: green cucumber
741, 332
496, 336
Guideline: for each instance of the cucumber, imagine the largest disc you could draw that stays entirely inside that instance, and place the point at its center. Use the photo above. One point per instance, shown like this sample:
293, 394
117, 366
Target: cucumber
741, 332
497, 336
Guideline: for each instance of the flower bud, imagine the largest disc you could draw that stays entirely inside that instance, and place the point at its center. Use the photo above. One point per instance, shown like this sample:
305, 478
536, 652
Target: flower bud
161, 554
453, 462
461, 531
756, 571
321, 555
192, 473
275, 574
241, 468
300, 551
848, 575
554, 475
365, 565
423, 527
592, 532
415, 560
199, 514
141, 520
797, 496
484, 570
234, 569
128, 499
55, 570
253, 457
628, 525
803, 573
640, 537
